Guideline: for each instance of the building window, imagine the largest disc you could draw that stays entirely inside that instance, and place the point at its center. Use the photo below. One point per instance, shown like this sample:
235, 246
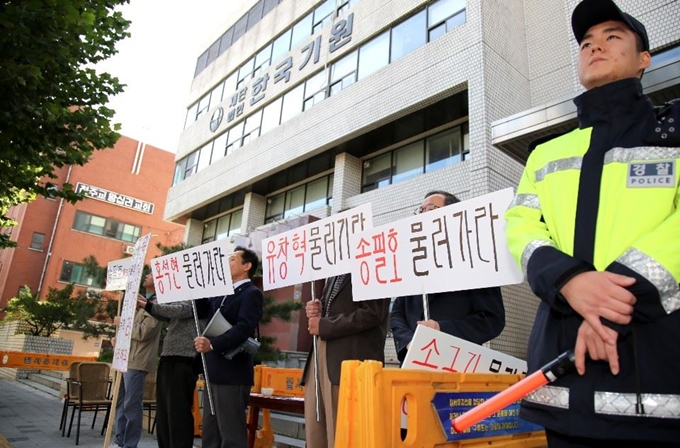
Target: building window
222, 227
343, 73
37, 241
281, 45
262, 60
216, 95
408, 36
271, 115
443, 16
301, 31
203, 105
303, 198
423, 156
235, 137
345, 5
204, 157
292, 103
107, 227
245, 73
322, 15
315, 89
219, 147
374, 55
77, 273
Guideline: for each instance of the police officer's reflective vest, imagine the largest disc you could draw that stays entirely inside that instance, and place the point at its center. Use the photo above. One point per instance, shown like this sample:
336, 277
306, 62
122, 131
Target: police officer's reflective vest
605, 197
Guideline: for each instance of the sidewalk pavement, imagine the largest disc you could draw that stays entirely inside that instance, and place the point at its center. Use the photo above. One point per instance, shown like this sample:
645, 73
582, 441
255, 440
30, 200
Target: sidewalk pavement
29, 418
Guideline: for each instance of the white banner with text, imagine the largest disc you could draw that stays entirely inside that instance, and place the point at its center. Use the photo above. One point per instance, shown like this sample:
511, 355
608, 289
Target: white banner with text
458, 247
314, 251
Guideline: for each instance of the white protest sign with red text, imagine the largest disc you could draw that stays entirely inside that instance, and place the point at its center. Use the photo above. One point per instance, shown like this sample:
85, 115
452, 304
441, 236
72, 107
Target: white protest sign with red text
440, 352
201, 271
127, 314
458, 247
315, 251
437, 351
117, 273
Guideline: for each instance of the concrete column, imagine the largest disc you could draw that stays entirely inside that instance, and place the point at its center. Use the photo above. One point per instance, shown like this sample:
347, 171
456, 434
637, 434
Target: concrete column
254, 209
193, 232
347, 180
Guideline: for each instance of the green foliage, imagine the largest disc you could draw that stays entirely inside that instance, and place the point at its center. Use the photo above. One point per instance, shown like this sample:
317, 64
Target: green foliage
62, 308
274, 310
92, 269
167, 250
52, 101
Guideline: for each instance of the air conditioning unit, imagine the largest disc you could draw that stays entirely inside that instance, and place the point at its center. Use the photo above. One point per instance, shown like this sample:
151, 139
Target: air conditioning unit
130, 250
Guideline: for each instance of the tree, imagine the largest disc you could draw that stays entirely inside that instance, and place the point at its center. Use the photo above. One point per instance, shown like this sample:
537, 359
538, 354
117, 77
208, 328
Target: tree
61, 309
52, 101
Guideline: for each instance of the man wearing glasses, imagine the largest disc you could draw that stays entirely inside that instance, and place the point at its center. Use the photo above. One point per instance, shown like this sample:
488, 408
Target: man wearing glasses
476, 315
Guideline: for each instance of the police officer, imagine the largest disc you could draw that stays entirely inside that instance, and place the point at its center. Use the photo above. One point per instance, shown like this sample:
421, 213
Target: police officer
595, 228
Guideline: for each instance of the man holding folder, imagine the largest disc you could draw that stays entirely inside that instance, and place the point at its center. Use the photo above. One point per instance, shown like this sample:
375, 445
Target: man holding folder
231, 377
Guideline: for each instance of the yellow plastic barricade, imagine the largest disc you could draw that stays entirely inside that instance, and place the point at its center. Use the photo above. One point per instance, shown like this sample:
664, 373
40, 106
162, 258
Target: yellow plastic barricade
369, 410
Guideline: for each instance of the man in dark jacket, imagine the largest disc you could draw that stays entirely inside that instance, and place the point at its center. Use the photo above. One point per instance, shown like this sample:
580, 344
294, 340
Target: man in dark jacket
595, 226
345, 330
476, 315
231, 379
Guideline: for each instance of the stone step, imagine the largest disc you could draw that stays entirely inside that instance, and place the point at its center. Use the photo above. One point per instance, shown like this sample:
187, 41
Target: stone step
46, 380
59, 374
286, 442
41, 387
289, 429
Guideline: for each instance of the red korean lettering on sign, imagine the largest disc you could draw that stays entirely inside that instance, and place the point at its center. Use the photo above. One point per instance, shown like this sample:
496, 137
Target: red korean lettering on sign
382, 251
277, 259
430, 347
472, 361
299, 247
166, 274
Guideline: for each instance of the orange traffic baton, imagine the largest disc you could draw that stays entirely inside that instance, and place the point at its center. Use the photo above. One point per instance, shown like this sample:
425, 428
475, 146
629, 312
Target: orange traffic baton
557, 368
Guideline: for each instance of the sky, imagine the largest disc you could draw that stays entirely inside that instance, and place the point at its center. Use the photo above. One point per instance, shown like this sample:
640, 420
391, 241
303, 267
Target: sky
157, 63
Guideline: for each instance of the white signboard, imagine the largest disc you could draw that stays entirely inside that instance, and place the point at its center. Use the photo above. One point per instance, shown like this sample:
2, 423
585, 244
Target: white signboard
437, 351
117, 274
440, 352
458, 247
202, 271
127, 314
315, 251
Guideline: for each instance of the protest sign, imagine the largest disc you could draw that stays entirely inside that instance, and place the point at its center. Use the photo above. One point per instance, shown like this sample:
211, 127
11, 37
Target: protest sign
127, 315
440, 352
458, 247
117, 273
315, 251
201, 271
437, 351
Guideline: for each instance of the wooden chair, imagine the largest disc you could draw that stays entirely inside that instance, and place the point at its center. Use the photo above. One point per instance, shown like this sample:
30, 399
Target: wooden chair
149, 400
71, 395
93, 386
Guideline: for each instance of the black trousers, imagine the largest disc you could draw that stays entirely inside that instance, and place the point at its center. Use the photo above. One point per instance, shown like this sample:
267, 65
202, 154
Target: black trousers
557, 440
227, 428
174, 398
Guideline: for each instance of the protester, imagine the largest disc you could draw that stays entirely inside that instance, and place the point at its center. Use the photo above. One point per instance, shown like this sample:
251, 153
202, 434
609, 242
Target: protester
231, 379
476, 315
144, 339
345, 330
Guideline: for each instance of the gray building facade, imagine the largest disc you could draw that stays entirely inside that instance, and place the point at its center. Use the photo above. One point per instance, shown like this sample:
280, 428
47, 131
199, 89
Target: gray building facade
311, 107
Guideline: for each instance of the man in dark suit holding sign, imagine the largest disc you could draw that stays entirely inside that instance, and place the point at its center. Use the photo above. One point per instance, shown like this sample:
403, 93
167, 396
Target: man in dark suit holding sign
231, 379
476, 315
346, 330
